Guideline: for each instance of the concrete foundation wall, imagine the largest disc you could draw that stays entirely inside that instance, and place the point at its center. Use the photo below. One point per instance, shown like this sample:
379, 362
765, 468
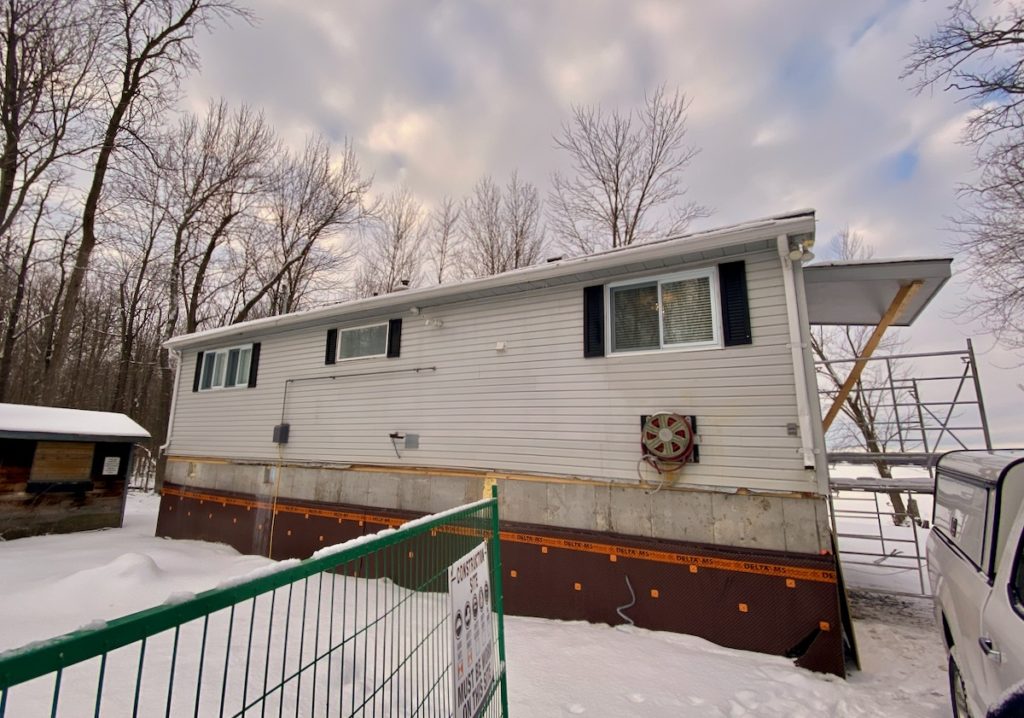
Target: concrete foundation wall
792, 523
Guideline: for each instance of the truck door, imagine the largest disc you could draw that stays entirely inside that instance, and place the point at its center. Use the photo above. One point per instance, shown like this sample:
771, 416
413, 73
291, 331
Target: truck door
1002, 623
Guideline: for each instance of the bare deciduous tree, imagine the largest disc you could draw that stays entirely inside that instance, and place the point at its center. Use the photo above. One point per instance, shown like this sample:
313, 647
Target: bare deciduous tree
391, 252
521, 215
981, 57
147, 46
500, 228
215, 170
137, 267
48, 49
47, 52
482, 230
627, 181
442, 230
312, 198
38, 231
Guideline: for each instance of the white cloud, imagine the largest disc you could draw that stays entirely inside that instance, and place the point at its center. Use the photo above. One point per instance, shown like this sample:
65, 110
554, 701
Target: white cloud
403, 132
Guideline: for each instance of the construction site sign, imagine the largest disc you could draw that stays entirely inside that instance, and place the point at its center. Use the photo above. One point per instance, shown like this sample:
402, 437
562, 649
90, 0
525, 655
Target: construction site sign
472, 627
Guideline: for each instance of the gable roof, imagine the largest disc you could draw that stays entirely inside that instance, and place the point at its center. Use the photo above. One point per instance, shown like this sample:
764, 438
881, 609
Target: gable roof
708, 245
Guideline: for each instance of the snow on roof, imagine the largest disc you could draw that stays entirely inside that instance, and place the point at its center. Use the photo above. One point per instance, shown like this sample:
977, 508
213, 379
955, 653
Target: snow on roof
538, 275
25, 421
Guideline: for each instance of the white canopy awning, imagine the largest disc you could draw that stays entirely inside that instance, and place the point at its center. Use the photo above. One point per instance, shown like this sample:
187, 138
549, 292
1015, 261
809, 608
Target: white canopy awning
860, 291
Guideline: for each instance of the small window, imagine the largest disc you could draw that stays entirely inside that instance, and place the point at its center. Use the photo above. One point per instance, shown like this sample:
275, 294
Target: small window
361, 342
962, 514
677, 311
1017, 586
226, 368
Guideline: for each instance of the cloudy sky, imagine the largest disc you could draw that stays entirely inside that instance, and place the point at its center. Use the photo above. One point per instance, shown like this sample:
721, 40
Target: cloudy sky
794, 104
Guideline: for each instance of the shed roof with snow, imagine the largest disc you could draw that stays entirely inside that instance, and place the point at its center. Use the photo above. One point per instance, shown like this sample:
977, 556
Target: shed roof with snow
22, 421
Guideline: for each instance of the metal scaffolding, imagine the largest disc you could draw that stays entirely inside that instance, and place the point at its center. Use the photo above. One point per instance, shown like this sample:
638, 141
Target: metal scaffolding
919, 406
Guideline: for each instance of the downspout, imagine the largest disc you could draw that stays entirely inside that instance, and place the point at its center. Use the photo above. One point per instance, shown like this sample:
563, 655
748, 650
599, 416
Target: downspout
174, 400
811, 378
797, 347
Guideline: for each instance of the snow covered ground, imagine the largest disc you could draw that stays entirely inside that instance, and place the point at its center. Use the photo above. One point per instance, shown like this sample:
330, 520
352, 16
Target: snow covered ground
52, 584
877, 553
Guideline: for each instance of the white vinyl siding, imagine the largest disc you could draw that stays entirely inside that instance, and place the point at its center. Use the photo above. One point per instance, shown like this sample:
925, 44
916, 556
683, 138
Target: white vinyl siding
538, 406
363, 342
676, 311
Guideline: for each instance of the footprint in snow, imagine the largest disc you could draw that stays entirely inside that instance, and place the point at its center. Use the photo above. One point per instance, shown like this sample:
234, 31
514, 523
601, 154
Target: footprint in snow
748, 699
737, 711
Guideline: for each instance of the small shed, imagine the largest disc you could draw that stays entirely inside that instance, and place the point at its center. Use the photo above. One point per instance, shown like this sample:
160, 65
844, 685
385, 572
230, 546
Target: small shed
63, 470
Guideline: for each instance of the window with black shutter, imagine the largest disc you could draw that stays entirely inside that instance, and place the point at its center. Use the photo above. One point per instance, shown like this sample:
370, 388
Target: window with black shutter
364, 342
693, 309
226, 368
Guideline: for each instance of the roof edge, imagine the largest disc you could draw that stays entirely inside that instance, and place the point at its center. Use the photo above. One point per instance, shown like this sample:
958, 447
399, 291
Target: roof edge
75, 437
793, 222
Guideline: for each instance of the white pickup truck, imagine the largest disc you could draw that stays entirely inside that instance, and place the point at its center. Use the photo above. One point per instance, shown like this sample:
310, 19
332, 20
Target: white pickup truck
976, 567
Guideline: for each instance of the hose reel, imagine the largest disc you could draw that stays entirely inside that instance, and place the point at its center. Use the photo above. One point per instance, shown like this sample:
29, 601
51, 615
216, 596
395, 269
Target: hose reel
668, 437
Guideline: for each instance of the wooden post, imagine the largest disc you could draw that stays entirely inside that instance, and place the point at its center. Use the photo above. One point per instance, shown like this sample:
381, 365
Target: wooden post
891, 314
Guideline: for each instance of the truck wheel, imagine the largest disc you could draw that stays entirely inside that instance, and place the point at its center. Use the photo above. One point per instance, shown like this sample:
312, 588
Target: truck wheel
957, 691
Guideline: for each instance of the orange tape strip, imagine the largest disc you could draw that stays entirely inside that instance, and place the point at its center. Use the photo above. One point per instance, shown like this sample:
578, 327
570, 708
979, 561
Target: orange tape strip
722, 564
390, 521
764, 569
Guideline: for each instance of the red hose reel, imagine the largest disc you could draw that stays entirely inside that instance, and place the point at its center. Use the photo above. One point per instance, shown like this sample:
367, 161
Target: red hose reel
668, 437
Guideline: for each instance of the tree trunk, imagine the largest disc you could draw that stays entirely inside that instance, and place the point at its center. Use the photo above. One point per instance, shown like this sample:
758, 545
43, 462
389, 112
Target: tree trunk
69, 309
10, 110
11, 328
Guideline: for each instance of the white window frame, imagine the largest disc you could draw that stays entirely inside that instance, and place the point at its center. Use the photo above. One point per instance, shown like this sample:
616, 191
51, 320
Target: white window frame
244, 384
716, 313
387, 342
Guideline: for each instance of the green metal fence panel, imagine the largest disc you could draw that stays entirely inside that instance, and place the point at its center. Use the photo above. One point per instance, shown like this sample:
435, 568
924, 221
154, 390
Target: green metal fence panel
363, 628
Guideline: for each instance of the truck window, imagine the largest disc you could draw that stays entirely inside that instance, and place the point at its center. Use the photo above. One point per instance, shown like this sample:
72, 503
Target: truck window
1017, 585
961, 513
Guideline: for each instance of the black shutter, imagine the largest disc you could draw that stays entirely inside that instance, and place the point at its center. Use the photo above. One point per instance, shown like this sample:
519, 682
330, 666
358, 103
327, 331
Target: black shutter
254, 363
199, 371
732, 283
331, 353
593, 321
394, 338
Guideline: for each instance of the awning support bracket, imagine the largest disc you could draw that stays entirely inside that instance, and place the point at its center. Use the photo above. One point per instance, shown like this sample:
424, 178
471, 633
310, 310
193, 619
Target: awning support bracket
896, 307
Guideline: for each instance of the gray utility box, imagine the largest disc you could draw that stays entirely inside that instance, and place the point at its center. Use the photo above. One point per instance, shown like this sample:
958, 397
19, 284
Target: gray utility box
281, 432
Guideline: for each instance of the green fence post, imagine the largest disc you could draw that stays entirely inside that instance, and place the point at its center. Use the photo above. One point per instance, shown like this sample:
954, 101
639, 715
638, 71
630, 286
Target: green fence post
498, 596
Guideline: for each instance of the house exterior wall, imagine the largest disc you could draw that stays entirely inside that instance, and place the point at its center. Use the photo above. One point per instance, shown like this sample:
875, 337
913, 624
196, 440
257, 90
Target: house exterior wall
536, 407
735, 548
